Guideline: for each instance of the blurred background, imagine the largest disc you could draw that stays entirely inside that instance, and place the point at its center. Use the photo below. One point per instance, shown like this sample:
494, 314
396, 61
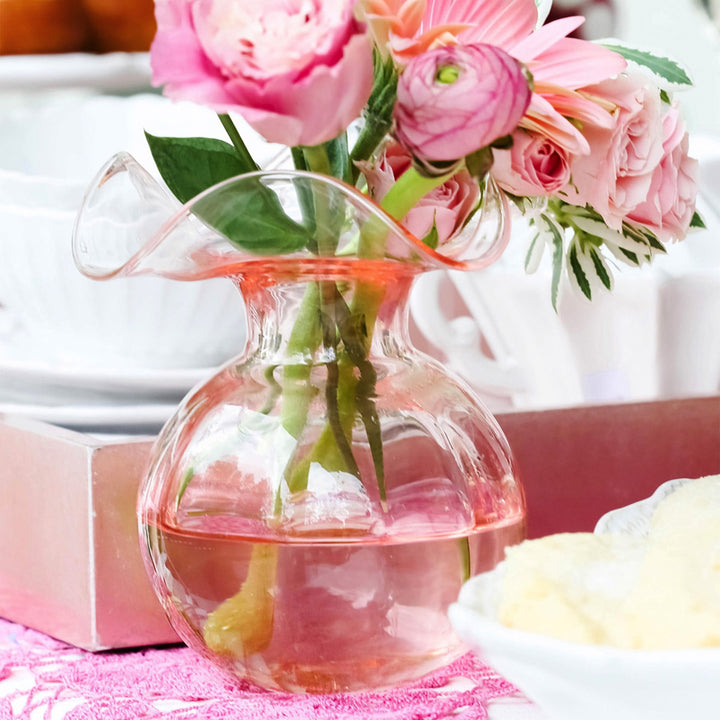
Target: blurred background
75, 88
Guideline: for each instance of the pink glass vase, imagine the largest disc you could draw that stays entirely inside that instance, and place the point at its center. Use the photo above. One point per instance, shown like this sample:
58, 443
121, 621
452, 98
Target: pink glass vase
311, 511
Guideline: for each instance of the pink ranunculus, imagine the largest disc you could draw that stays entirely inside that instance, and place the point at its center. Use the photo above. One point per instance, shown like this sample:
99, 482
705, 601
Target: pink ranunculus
670, 202
447, 207
455, 100
614, 178
534, 165
298, 71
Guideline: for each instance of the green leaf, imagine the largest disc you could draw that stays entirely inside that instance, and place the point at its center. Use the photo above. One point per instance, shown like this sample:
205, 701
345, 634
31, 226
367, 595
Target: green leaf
697, 221
600, 269
665, 97
661, 66
255, 221
631, 256
479, 162
557, 260
191, 165
432, 238
534, 253
654, 243
579, 273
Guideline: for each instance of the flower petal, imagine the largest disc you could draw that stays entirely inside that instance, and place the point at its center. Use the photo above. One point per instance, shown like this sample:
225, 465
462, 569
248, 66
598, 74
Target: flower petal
545, 37
497, 22
541, 117
572, 104
575, 63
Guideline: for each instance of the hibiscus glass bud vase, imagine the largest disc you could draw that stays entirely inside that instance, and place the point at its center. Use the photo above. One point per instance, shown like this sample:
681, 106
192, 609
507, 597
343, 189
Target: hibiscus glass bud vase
311, 511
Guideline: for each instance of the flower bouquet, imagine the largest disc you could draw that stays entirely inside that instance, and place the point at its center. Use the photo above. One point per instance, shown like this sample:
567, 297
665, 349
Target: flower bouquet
312, 510
584, 137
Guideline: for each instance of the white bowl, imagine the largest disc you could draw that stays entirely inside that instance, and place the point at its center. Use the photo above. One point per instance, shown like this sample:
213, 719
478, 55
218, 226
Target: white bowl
71, 138
574, 681
49, 154
143, 322
635, 519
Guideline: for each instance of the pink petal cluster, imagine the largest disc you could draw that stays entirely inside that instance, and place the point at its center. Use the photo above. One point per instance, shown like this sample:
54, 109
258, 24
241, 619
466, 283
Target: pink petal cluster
447, 207
615, 176
455, 100
638, 167
669, 204
533, 166
299, 71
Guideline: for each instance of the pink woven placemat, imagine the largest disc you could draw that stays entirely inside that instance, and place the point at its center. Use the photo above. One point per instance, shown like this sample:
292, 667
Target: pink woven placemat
43, 678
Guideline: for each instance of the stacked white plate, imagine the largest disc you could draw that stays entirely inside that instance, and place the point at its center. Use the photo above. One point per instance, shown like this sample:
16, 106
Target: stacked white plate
88, 398
101, 356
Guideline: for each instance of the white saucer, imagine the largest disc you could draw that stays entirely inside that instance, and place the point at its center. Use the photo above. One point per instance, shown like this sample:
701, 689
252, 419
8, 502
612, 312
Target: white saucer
31, 377
110, 71
125, 418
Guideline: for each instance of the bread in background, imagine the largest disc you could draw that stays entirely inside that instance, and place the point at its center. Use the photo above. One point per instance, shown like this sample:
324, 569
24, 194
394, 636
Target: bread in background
120, 25
29, 27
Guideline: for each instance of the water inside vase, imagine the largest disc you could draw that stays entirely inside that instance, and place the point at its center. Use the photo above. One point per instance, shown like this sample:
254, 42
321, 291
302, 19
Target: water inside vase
345, 614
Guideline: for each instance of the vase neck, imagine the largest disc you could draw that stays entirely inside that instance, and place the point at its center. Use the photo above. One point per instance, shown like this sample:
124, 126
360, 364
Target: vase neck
310, 317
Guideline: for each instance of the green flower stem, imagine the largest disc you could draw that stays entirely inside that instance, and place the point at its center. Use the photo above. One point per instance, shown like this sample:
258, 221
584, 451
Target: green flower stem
401, 198
408, 189
303, 341
371, 134
316, 159
308, 332
346, 393
238, 142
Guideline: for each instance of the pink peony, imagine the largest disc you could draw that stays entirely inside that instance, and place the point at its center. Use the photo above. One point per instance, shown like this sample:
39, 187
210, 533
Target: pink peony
670, 202
299, 71
455, 100
447, 206
615, 177
534, 165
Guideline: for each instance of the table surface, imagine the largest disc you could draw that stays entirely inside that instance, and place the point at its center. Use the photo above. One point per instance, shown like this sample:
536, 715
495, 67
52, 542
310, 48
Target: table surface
45, 679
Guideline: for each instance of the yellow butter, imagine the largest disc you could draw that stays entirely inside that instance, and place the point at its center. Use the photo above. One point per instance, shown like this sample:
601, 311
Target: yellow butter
661, 591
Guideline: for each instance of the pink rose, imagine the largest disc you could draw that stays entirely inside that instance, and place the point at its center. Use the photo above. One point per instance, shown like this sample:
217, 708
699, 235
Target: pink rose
447, 206
455, 100
534, 165
299, 71
670, 202
615, 177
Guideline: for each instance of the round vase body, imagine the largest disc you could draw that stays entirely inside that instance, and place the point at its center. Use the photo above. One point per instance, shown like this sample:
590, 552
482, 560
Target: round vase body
278, 560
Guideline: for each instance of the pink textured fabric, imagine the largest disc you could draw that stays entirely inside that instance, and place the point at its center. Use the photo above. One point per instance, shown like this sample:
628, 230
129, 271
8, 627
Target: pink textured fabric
177, 683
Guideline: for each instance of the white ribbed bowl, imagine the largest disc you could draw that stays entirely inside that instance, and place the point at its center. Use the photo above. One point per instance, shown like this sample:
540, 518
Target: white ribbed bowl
49, 154
141, 322
574, 681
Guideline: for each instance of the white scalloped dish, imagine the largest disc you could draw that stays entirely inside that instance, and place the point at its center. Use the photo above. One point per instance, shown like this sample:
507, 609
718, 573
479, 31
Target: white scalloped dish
578, 681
